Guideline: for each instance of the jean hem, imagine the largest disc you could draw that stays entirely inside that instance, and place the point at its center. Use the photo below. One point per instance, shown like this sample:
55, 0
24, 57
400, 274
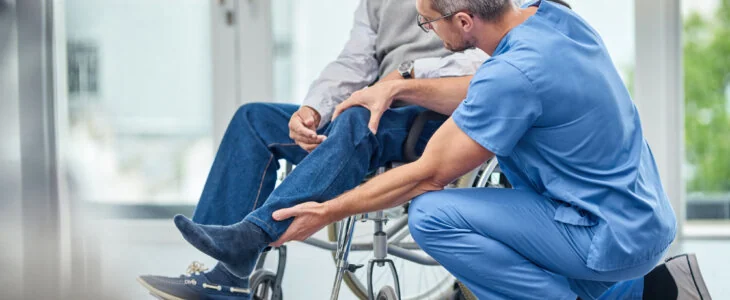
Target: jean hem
264, 226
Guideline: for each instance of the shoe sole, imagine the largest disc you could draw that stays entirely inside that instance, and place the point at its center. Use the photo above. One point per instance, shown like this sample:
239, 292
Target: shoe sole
155, 292
688, 267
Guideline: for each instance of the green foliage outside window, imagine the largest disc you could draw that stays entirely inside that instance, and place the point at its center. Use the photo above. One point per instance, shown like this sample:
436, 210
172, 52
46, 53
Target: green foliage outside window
707, 99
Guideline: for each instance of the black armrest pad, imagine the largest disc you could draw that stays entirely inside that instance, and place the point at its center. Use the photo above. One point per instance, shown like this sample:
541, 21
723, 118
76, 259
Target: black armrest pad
409, 148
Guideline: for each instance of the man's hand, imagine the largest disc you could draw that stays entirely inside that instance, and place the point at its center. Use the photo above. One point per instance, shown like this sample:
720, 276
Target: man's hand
309, 218
302, 128
377, 99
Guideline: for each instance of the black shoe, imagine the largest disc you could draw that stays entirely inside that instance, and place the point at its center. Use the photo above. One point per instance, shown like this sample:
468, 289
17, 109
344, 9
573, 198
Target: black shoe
192, 285
678, 278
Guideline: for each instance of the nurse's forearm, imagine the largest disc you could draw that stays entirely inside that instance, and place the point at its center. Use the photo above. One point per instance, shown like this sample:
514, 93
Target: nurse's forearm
441, 95
449, 154
389, 189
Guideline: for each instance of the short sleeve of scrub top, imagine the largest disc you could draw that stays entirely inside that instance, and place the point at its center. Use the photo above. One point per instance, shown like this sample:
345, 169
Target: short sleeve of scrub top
500, 107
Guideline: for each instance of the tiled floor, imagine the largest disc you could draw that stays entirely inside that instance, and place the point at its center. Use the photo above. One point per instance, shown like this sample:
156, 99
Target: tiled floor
131, 248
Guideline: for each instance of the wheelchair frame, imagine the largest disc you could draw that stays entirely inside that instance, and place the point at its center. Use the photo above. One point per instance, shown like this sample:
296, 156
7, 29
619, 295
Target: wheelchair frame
385, 242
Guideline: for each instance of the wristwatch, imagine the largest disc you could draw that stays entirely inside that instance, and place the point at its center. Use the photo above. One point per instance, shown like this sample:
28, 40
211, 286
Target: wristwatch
406, 69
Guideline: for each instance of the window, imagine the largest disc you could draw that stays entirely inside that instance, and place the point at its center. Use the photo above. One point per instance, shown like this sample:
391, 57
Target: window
306, 38
282, 27
139, 100
707, 108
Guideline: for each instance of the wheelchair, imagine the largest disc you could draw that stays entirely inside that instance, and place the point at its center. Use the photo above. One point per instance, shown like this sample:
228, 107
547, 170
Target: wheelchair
396, 266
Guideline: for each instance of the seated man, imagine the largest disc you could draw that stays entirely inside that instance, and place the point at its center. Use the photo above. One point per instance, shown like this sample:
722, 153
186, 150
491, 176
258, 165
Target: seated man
331, 157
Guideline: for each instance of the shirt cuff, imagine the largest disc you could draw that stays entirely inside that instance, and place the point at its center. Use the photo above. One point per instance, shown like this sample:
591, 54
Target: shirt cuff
426, 67
454, 65
325, 112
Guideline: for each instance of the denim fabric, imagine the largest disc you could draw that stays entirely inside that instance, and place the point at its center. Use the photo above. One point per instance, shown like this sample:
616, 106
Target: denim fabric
241, 182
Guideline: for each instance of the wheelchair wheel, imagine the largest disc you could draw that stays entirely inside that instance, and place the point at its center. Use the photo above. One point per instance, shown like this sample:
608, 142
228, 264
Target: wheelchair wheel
463, 293
417, 281
263, 286
387, 293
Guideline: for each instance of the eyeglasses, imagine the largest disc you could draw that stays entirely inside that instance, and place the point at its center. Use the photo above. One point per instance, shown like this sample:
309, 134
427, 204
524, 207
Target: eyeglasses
425, 24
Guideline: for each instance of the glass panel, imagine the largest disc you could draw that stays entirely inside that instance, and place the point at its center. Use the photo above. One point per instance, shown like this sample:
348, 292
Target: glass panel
707, 108
282, 27
307, 36
614, 21
139, 98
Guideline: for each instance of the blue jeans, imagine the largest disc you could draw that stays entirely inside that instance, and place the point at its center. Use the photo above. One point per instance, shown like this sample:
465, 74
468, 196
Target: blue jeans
505, 244
240, 184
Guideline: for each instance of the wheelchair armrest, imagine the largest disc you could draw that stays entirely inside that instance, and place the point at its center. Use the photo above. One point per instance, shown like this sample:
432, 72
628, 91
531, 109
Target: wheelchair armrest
409, 149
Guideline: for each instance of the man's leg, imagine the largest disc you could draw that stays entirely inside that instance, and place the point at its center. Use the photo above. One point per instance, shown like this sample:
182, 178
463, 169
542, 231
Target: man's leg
341, 162
504, 244
244, 170
241, 178
338, 164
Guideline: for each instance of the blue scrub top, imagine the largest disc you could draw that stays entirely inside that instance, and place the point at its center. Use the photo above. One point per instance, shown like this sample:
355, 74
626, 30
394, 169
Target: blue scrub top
551, 105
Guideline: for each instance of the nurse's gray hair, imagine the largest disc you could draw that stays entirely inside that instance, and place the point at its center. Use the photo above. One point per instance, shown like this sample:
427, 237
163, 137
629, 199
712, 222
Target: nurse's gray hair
487, 10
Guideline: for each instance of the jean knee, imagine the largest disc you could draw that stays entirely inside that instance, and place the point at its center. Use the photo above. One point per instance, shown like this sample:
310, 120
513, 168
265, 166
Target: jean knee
353, 117
356, 112
352, 126
249, 110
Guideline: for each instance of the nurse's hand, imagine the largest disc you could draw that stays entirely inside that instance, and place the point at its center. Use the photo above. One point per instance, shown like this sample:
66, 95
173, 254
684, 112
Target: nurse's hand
377, 99
309, 218
302, 128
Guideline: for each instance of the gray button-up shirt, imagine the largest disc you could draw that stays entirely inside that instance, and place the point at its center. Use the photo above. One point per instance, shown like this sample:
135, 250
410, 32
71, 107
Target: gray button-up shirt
356, 67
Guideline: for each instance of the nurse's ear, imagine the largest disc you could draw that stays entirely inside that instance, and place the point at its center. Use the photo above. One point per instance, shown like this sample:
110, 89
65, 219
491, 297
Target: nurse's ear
464, 20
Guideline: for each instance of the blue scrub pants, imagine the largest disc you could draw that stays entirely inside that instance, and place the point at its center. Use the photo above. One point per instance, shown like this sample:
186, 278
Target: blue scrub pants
504, 244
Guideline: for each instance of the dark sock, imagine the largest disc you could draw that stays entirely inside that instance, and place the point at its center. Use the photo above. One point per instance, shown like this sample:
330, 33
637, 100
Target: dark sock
659, 284
220, 275
236, 246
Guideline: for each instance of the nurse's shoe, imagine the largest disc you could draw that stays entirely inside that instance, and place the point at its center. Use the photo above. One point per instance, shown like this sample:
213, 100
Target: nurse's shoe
192, 285
678, 278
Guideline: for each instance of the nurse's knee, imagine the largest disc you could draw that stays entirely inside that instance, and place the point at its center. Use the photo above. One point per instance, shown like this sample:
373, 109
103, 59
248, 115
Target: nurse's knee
423, 213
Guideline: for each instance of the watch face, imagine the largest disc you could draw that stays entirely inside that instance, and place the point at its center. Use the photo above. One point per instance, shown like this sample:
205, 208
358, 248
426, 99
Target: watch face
405, 66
